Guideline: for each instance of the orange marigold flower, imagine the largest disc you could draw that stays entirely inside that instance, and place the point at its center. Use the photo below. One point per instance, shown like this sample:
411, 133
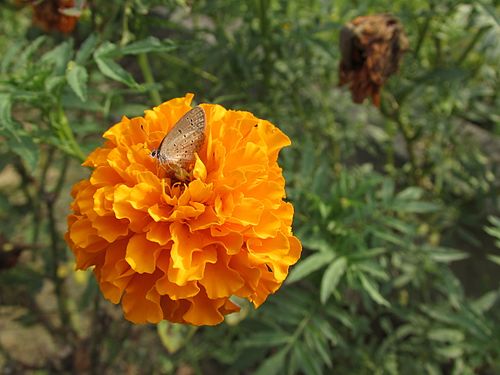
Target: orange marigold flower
179, 251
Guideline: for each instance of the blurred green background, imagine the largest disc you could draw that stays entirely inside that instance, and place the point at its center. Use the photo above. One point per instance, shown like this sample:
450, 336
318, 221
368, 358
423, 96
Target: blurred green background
397, 207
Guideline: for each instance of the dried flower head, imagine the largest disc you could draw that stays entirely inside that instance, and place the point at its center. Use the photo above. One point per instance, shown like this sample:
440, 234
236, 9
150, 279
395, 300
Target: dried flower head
178, 251
54, 15
371, 48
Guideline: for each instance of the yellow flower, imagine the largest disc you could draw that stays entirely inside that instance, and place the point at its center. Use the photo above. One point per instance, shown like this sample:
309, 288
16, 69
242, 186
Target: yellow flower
180, 251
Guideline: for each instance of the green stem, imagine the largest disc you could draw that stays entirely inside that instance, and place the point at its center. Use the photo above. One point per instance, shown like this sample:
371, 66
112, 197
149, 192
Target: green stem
264, 30
56, 251
408, 137
472, 43
55, 258
148, 77
185, 64
422, 35
61, 124
96, 337
37, 209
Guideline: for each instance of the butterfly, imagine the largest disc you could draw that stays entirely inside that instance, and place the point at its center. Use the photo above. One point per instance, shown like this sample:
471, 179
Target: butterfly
176, 152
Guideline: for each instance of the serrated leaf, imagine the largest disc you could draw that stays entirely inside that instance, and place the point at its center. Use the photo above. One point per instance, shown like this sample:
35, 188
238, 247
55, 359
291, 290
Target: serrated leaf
373, 269
306, 361
6, 121
25, 56
77, 77
59, 57
368, 253
391, 238
11, 56
493, 231
331, 278
494, 258
446, 255
273, 364
86, 49
452, 351
150, 44
27, 149
446, 335
309, 265
264, 339
486, 301
372, 291
411, 193
414, 207
103, 57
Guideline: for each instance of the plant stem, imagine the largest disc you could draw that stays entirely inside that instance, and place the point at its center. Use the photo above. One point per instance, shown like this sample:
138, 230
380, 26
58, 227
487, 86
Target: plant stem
149, 78
96, 338
65, 132
408, 137
56, 251
422, 36
472, 43
185, 64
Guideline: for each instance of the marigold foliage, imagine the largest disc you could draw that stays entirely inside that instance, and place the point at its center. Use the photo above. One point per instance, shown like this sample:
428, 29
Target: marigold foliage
179, 251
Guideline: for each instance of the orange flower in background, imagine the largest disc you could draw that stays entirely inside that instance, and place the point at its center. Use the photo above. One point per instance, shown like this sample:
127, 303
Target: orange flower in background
179, 251
54, 15
371, 48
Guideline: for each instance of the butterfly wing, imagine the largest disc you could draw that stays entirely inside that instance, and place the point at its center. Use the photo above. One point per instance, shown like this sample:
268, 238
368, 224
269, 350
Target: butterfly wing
186, 137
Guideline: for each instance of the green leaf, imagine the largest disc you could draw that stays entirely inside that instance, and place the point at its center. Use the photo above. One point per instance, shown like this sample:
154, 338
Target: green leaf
6, 121
59, 57
411, 193
264, 339
150, 44
414, 207
446, 255
11, 56
307, 362
331, 278
25, 56
446, 335
27, 149
77, 77
273, 364
486, 301
309, 265
103, 57
494, 258
391, 238
174, 336
86, 50
372, 291
367, 253
452, 351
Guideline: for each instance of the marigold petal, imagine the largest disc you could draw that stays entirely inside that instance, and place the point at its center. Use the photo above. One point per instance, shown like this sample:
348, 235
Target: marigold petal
141, 254
165, 287
110, 228
204, 311
139, 305
159, 232
199, 170
219, 280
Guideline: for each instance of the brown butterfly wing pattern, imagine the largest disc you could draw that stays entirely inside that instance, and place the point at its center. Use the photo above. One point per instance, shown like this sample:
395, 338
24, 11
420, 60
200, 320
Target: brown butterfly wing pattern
176, 151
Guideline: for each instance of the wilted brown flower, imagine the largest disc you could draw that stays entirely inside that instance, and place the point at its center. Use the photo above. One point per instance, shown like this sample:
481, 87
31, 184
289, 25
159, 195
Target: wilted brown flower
54, 15
371, 48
